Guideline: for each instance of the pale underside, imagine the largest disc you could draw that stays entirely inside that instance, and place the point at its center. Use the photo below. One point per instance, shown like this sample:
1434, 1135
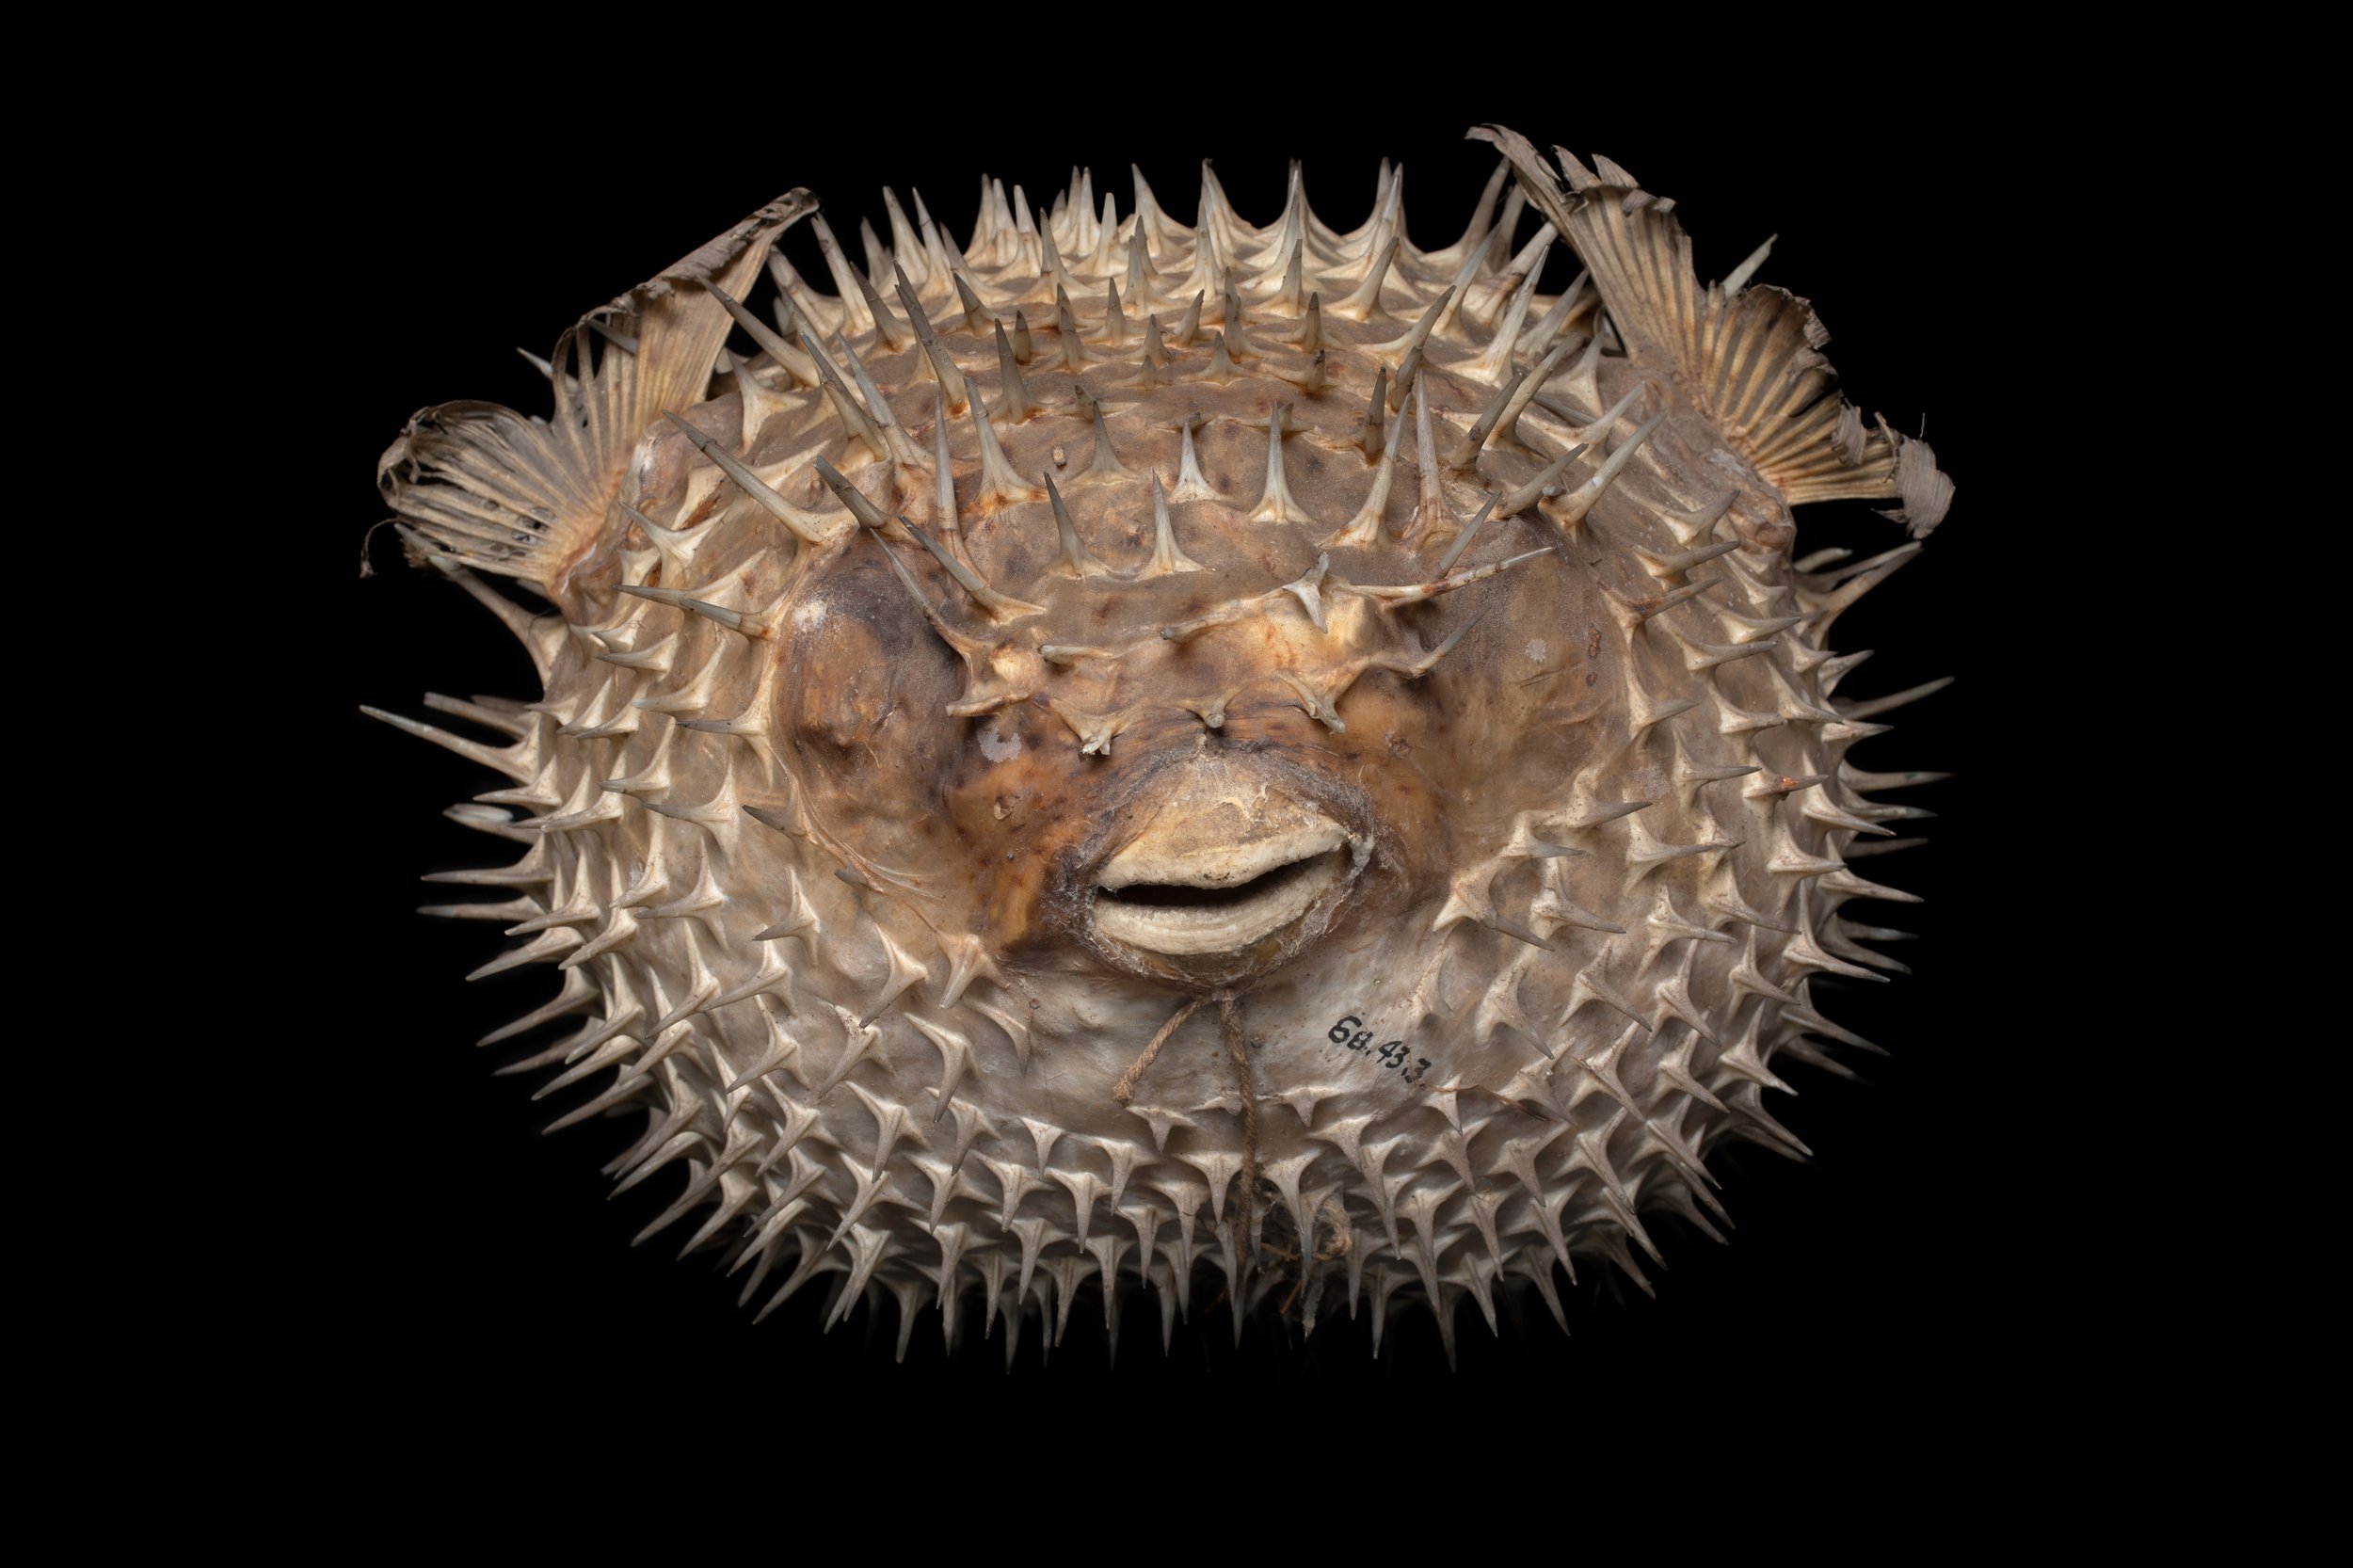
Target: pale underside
1356, 800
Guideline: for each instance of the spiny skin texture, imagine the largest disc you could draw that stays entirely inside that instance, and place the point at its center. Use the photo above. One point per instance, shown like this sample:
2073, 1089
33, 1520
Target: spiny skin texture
1134, 747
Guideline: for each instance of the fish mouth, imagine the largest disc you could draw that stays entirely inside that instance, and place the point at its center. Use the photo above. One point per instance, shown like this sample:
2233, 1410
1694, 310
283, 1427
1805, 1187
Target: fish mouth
1189, 906
1221, 867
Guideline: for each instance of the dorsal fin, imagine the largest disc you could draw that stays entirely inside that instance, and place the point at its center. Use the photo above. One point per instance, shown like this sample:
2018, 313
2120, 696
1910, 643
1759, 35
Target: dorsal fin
1751, 362
528, 497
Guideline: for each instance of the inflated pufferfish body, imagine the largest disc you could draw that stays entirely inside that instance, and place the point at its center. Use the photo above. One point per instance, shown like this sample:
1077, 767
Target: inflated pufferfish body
1129, 747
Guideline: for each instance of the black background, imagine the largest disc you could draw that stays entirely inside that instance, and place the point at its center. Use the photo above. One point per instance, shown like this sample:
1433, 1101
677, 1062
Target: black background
448, 1265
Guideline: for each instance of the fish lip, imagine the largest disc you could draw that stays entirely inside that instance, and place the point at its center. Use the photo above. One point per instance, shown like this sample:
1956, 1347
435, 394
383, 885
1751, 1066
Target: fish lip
1145, 861
1181, 932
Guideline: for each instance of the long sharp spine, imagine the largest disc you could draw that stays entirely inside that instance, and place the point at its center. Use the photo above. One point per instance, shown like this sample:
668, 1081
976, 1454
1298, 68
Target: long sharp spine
1013, 397
1076, 560
1582, 500
808, 527
1464, 454
1275, 504
943, 368
793, 363
1373, 432
1527, 495
1167, 557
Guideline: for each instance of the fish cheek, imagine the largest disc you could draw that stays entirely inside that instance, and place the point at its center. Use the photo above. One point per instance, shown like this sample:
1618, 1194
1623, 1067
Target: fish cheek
1397, 732
1016, 798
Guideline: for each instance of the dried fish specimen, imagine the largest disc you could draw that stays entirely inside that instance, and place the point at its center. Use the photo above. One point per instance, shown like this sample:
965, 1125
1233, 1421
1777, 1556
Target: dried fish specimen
1126, 749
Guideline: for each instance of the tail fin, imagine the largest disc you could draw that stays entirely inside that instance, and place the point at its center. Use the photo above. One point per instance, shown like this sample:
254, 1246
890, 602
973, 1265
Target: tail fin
1749, 358
527, 497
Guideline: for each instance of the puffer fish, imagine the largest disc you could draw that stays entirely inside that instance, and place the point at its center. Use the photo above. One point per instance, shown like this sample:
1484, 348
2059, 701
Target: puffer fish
1128, 762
